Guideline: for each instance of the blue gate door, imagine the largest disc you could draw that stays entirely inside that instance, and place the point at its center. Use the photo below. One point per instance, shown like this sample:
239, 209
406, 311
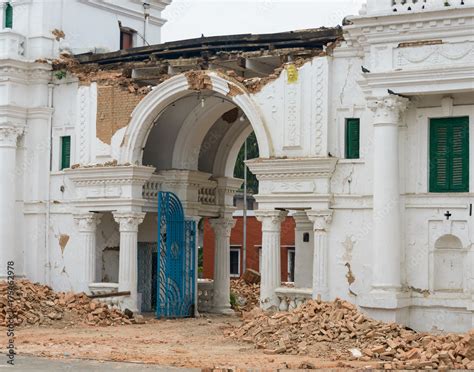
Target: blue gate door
175, 259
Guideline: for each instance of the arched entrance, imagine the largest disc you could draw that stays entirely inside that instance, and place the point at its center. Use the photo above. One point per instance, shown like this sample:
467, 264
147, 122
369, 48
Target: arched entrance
181, 88
190, 130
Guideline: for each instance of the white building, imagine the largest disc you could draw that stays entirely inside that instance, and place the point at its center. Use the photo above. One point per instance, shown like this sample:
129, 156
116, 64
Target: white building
368, 143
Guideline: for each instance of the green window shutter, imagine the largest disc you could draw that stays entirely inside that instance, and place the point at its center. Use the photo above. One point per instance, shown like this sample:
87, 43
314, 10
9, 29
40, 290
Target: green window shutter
8, 16
352, 138
449, 155
65, 152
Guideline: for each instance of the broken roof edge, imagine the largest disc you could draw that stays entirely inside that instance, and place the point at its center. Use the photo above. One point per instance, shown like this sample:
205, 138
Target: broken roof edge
309, 38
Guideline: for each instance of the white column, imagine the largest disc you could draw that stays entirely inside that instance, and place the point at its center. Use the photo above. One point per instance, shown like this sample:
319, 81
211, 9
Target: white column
386, 199
9, 250
128, 258
222, 228
87, 228
321, 221
303, 250
271, 256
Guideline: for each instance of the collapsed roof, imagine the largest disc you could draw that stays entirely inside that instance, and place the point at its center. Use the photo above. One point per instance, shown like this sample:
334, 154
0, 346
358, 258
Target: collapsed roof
243, 56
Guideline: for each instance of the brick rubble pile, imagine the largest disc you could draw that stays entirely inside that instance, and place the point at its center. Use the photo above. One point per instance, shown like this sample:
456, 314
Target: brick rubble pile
35, 304
247, 295
338, 330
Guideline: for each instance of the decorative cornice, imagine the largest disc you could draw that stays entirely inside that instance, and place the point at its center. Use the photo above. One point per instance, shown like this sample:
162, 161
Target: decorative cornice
88, 221
115, 175
292, 168
387, 109
321, 219
129, 221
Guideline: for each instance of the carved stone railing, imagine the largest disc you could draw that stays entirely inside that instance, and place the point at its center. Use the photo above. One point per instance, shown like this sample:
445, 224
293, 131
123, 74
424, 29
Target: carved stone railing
207, 193
407, 6
292, 298
421, 5
205, 295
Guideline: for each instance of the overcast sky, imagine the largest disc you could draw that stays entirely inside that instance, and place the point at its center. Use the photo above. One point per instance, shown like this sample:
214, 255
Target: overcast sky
191, 18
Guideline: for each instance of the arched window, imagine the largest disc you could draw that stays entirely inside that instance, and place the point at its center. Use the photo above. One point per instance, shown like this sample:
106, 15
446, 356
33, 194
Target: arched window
8, 16
448, 264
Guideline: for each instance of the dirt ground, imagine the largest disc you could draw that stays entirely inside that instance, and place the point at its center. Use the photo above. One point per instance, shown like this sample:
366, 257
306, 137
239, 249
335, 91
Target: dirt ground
198, 343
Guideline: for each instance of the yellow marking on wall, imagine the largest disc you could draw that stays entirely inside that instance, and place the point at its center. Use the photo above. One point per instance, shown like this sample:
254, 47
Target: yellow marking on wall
291, 74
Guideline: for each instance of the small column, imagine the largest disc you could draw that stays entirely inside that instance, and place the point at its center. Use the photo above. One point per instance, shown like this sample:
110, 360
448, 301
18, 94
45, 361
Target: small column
271, 256
196, 220
222, 228
9, 249
321, 221
386, 199
128, 259
303, 250
87, 228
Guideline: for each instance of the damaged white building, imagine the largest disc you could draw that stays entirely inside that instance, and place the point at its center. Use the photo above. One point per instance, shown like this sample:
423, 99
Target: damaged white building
363, 132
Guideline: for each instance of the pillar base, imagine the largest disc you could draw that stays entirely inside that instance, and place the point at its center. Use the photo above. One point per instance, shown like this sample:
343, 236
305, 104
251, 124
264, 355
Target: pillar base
386, 305
222, 311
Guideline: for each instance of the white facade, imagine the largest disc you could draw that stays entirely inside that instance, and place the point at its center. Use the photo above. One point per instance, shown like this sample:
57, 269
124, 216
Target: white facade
378, 237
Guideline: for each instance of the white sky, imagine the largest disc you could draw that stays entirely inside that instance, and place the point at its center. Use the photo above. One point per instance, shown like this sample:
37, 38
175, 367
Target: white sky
191, 18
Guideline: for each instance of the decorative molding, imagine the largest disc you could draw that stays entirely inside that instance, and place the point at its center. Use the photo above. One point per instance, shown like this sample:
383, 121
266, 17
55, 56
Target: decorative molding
321, 219
222, 226
129, 221
319, 107
88, 221
9, 135
292, 168
387, 109
292, 132
434, 55
271, 219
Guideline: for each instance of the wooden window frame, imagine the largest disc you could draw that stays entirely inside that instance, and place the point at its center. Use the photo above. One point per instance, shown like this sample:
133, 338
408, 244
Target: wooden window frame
350, 152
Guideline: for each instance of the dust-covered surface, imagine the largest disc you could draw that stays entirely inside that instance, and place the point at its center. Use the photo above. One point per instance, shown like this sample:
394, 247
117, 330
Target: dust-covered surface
338, 329
190, 343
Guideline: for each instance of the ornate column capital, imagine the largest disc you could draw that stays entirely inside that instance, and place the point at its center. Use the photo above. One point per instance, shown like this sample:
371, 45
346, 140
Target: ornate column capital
302, 221
88, 221
387, 109
9, 135
129, 221
320, 219
222, 226
271, 219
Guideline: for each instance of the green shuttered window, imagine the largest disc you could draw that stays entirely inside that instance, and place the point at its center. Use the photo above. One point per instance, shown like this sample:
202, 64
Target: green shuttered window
8, 16
352, 138
449, 155
65, 152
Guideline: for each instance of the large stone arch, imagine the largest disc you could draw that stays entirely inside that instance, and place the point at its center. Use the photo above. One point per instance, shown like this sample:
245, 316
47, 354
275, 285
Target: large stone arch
149, 109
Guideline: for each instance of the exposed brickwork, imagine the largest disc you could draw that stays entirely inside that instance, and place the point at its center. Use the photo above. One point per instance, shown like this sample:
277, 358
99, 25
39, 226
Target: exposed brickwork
114, 107
254, 242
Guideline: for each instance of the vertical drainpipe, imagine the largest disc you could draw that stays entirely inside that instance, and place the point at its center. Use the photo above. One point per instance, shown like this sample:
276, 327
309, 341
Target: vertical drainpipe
47, 266
146, 13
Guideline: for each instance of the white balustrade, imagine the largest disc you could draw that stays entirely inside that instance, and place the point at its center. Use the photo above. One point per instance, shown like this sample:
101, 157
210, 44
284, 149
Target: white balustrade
207, 193
292, 298
205, 295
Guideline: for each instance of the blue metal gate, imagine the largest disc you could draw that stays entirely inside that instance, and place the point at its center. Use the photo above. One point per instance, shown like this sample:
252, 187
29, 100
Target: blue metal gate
175, 259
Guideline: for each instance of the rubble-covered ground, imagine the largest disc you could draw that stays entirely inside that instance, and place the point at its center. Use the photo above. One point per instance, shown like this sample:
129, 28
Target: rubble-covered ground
316, 335
36, 304
349, 334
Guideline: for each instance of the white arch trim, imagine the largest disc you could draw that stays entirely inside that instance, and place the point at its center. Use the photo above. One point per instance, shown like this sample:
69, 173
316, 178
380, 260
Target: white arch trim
193, 131
163, 95
228, 150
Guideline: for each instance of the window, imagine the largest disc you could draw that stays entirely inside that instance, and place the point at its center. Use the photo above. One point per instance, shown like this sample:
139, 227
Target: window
235, 261
65, 152
291, 264
449, 155
8, 16
352, 138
